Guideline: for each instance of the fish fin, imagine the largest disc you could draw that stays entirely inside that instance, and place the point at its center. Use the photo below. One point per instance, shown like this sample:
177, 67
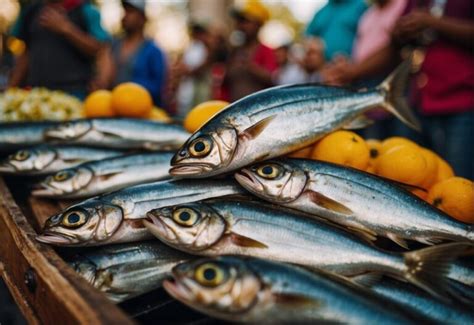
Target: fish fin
296, 300
398, 240
367, 279
74, 161
428, 241
393, 88
428, 267
109, 175
363, 232
327, 203
359, 122
243, 241
111, 134
253, 131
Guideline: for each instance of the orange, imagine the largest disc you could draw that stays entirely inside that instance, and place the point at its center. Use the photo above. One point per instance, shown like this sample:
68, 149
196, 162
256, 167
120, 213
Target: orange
404, 163
393, 142
445, 171
431, 167
344, 148
374, 149
302, 153
370, 169
200, 114
159, 114
131, 100
98, 104
421, 194
455, 196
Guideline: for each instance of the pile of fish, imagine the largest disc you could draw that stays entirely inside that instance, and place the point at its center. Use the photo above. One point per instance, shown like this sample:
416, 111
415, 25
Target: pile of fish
245, 234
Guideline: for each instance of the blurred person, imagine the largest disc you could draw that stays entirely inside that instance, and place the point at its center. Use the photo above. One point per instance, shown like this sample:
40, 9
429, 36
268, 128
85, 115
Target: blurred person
313, 60
251, 64
63, 38
336, 24
289, 71
135, 58
442, 32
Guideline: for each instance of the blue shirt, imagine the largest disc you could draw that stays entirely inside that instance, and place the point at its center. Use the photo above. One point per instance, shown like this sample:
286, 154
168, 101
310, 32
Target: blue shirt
336, 24
146, 67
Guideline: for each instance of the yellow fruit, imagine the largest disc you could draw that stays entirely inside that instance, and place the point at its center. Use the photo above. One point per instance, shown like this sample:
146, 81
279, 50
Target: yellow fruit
404, 163
455, 196
374, 149
393, 142
421, 194
344, 148
445, 171
302, 153
431, 167
98, 104
131, 100
200, 114
370, 169
159, 114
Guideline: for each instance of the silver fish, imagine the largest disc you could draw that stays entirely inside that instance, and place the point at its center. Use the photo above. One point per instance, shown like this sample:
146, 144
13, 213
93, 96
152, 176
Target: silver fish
43, 159
421, 302
122, 133
97, 177
280, 120
117, 217
462, 271
362, 202
14, 136
125, 271
228, 227
259, 291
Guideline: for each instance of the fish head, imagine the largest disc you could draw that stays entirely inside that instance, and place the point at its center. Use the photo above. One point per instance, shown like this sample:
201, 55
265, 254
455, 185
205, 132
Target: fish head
27, 160
275, 181
86, 269
205, 152
64, 182
68, 130
223, 286
87, 224
189, 227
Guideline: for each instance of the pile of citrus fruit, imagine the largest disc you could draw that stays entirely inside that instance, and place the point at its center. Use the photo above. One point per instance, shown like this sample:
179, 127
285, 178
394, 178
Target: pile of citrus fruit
401, 160
128, 100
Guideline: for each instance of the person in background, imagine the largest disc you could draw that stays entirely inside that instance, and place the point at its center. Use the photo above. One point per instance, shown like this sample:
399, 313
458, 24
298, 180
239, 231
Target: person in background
135, 58
442, 33
336, 25
63, 39
289, 71
251, 64
313, 61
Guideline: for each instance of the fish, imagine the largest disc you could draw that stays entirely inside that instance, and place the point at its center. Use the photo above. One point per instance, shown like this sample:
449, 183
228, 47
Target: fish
283, 119
97, 177
361, 202
239, 289
17, 135
117, 217
124, 271
123, 133
46, 159
463, 272
231, 227
419, 301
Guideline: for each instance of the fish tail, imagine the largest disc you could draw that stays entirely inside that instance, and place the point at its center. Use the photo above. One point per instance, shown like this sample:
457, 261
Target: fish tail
428, 267
393, 87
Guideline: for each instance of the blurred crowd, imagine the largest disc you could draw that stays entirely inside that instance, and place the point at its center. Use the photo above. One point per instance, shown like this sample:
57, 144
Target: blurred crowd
353, 43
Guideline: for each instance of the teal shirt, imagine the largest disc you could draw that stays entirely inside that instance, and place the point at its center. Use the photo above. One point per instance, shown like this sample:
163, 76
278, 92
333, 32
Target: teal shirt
336, 24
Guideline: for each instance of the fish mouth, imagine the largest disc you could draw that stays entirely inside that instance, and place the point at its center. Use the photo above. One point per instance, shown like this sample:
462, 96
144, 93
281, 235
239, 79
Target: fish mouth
177, 289
190, 169
248, 181
7, 168
155, 226
44, 190
54, 238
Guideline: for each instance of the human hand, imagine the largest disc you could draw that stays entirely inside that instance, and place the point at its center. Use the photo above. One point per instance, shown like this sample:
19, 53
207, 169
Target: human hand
55, 19
338, 72
411, 25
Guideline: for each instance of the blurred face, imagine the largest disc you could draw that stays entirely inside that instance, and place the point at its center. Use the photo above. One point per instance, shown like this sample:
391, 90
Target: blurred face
281, 55
249, 27
314, 56
133, 19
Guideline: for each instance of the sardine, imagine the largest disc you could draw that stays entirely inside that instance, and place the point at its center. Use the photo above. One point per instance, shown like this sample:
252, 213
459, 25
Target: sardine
14, 136
362, 202
106, 175
44, 159
463, 271
122, 133
283, 119
125, 271
228, 227
117, 217
251, 290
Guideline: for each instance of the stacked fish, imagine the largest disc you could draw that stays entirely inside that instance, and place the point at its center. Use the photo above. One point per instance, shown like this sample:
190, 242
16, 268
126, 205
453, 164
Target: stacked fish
288, 241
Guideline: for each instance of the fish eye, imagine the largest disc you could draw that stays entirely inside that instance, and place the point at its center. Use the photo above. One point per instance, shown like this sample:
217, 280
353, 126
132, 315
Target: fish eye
269, 171
209, 275
200, 147
62, 176
185, 217
74, 219
22, 155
